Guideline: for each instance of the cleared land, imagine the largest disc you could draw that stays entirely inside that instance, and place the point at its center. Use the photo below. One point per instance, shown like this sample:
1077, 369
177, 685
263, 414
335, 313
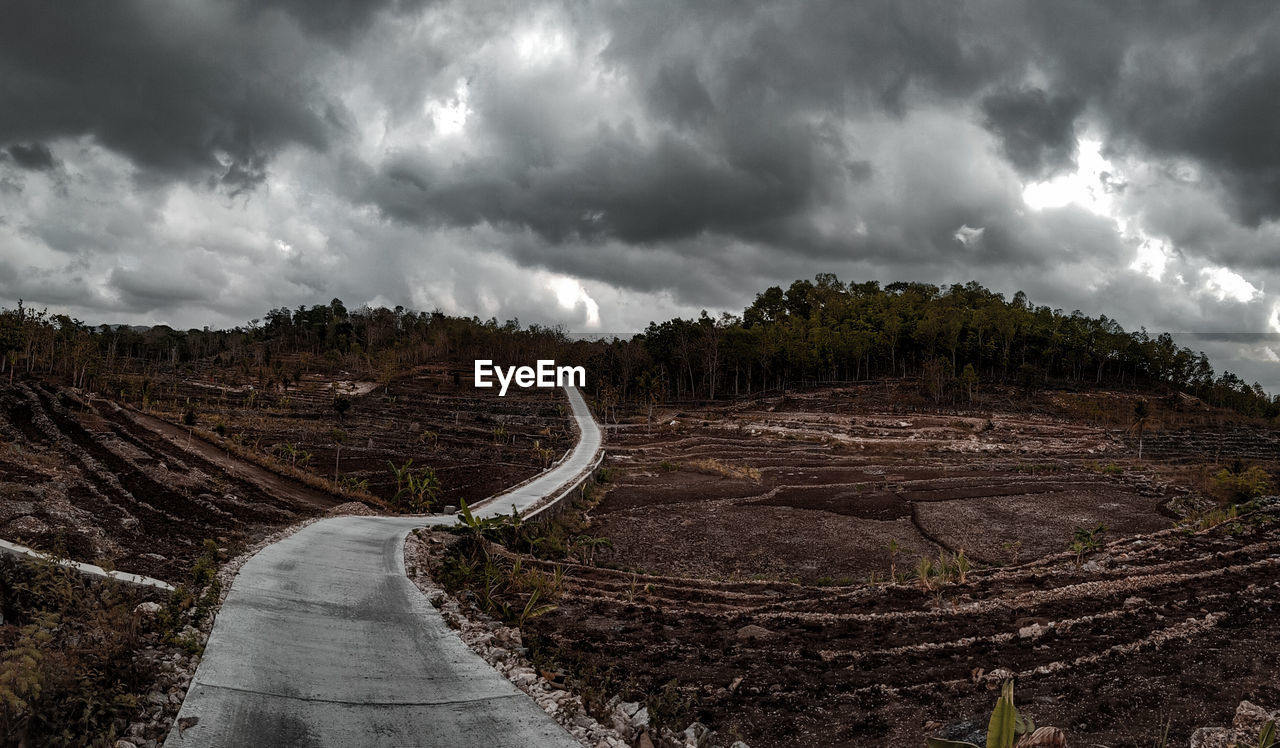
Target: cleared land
744, 537
140, 491
477, 443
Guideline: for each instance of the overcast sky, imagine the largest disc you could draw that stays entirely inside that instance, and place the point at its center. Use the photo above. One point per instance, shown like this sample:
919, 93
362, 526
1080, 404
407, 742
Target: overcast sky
599, 165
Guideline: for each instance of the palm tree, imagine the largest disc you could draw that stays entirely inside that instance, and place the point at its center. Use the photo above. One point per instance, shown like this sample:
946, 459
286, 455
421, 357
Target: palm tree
893, 547
339, 437
1140, 412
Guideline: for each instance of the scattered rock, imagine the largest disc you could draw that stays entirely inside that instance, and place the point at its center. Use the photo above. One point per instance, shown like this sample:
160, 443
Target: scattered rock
502, 646
352, 508
698, 735
1248, 721
147, 610
752, 632
1250, 716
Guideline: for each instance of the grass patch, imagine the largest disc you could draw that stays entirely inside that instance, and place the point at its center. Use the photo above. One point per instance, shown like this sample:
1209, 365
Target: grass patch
711, 466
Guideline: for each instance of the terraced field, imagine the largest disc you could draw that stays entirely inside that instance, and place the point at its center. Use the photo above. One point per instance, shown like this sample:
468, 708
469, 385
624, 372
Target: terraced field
91, 480
1156, 628
745, 537
799, 493
477, 443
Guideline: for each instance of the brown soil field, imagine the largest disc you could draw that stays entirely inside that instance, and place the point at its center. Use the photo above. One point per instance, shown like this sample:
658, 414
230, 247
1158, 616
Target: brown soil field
91, 481
776, 515
111, 484
802, 491
477, 443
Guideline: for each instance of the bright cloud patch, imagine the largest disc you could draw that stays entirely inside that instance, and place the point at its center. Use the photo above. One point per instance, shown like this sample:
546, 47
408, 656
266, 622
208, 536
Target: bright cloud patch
1091, 186
1226, 284
969, 236
570, 293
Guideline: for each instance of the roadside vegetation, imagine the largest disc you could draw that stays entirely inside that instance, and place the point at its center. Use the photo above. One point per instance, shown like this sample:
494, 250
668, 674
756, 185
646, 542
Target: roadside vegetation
71, 673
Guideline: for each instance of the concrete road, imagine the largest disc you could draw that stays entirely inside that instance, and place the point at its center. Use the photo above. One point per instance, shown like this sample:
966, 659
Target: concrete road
323, 641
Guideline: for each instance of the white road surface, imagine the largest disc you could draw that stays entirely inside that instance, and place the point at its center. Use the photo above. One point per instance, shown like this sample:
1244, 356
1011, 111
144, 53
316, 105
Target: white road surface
323, 641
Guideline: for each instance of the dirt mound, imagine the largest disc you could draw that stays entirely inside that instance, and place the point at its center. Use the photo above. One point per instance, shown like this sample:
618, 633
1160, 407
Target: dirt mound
351, 508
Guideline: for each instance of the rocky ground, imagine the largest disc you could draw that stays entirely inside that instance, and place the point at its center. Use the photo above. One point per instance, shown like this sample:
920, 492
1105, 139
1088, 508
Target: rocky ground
627, 723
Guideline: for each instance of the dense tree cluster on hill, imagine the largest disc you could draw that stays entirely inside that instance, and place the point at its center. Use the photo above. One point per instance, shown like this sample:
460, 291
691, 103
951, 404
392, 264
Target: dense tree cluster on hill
950, 339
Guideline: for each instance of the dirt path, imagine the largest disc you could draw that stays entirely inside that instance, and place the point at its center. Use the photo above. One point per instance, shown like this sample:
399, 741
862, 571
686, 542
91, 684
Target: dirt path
264, 479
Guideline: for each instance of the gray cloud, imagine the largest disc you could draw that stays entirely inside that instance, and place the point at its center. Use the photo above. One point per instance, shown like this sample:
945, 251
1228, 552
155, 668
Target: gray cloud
182, 89
1036, 129
34, 156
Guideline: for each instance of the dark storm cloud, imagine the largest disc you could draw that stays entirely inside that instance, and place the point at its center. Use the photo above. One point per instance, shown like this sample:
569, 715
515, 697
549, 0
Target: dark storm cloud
617, 188
34, 156
1193, 80
1036, 130
180, 89
339, 21
741, 94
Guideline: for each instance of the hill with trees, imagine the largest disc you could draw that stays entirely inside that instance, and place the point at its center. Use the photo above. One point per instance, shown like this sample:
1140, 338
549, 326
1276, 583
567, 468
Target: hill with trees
952, 339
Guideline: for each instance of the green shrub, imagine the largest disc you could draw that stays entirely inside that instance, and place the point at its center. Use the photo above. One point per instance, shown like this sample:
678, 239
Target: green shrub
69, 673
1235, 486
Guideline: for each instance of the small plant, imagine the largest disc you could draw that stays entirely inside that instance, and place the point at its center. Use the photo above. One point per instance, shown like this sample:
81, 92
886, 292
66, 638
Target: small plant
669, 707
1004, 728
1013, 548
416, 490
893, 548
962, 566
347, 483
531, 610
542, 454
924, 573
589, 545
1267, 737
1085, 541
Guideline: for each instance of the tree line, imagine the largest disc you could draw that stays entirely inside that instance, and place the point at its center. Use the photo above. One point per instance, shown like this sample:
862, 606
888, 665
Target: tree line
951, 339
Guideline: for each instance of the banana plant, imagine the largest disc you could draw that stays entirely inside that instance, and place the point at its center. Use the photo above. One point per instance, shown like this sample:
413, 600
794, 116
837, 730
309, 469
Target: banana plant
1002, 731
1267, 738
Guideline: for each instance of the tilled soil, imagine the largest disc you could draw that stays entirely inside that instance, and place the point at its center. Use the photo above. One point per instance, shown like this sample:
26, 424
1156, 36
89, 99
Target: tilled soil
1162, 628
835, 489
742, 537
476, 442
94, 483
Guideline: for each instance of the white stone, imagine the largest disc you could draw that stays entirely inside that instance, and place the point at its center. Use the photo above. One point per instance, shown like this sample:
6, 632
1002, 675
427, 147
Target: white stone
147, 609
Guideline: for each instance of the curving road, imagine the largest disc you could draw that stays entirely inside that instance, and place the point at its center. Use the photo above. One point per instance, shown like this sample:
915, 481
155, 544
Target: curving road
323, 641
